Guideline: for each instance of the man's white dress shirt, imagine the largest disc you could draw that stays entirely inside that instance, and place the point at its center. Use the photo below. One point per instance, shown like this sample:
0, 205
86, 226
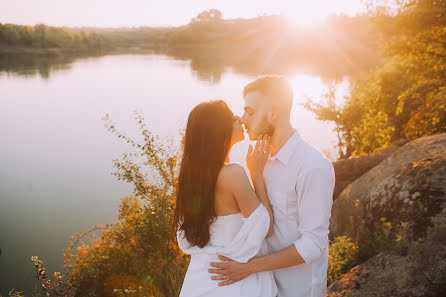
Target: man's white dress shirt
300, 180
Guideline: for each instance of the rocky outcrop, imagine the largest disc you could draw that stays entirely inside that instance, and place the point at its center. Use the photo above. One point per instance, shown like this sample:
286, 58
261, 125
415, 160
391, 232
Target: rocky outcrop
390, 274
386, 274
408, 186
347, 171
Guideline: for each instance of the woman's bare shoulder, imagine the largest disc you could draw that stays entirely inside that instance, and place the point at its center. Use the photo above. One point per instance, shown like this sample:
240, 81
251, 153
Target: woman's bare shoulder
232, 169
232, 173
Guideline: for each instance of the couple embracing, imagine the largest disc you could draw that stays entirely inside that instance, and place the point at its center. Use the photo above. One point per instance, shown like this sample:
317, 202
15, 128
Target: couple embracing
265, 239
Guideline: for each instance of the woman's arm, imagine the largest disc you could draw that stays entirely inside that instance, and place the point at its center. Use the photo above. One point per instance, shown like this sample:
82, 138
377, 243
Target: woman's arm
247, 199
260, 189
235, 180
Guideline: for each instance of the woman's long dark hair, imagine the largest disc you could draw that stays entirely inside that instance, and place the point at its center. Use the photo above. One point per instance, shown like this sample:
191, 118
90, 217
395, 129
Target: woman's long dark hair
205, 146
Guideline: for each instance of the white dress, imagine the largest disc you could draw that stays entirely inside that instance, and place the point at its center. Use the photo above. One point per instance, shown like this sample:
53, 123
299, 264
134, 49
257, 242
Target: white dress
239, 239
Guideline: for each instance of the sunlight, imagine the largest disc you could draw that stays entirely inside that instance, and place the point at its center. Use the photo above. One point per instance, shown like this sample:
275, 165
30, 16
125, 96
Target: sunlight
307, 86
306, 15
304, 85
309, 13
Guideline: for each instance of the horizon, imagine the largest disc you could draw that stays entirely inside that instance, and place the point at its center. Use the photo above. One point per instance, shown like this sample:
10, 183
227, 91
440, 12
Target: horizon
139, 13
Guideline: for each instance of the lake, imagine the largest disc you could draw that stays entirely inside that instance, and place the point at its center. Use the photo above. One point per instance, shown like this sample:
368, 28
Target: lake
56, 154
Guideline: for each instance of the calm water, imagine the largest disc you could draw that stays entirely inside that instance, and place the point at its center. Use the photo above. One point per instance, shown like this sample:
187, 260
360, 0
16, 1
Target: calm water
56, 155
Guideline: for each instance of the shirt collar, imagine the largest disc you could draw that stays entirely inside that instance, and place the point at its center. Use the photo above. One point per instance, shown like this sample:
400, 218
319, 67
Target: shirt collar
287, 150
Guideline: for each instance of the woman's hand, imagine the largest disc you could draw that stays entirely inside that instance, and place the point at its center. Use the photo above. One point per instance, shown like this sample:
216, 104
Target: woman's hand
256, 160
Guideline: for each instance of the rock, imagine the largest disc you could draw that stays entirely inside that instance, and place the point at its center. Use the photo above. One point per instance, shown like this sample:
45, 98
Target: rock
386, 274
408, 186
348, 170
391, 274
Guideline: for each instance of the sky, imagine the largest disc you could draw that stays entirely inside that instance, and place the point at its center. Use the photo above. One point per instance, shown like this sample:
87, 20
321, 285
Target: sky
135, 13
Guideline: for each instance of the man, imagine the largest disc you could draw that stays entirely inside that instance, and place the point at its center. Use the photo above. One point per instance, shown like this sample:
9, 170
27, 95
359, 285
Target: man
299, 180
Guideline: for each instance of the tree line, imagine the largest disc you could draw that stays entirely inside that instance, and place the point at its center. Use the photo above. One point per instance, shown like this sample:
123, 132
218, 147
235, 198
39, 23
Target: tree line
269, 43
41, 36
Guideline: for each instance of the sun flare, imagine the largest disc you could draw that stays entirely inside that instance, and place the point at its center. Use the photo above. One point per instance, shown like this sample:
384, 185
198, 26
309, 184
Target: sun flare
308, 13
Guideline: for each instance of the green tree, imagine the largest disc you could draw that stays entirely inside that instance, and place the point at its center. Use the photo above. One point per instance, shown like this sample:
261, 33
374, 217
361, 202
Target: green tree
208, 16
404, 98
40, 32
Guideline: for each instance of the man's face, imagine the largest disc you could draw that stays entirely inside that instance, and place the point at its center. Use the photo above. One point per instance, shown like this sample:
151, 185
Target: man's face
255, 117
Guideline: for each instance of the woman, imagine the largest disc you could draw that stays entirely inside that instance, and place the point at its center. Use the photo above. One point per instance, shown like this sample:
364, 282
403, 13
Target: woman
217, 211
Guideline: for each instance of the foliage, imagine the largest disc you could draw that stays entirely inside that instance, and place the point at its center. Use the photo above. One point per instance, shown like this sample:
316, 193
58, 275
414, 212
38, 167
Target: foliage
138, 254
405, 97
41, 36
50, 288
208, 16
330, 110
356, 247
439, 282
378, 238
343, 255
14, 293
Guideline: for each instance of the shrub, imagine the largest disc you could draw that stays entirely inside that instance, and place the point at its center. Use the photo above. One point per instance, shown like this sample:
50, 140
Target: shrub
343, 255
347, 251
439, 282
138, 254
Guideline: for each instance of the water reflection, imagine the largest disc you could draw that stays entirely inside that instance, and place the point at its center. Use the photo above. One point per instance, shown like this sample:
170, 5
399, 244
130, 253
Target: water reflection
31, 65
209, 64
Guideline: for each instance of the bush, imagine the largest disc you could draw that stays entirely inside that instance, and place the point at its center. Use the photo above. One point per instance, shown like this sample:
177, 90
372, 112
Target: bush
343, 255
138, 254
347, 251
439, 282
404, 97
382, 237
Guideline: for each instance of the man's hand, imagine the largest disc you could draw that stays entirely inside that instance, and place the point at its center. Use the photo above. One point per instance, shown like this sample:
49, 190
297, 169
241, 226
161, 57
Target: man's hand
233, 271
230, 272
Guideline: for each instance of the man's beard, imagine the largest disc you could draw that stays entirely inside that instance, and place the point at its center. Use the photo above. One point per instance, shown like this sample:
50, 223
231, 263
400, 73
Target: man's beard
264, 127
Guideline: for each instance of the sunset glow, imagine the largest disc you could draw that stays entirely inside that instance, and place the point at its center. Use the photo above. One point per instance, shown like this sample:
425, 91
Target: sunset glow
116, 13
312, 12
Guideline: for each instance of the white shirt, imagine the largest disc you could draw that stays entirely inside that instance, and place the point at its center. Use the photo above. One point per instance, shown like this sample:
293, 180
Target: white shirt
300, 180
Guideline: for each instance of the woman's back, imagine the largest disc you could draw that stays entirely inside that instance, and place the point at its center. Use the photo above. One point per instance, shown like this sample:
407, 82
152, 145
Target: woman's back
233, 234
197, 281
224, 201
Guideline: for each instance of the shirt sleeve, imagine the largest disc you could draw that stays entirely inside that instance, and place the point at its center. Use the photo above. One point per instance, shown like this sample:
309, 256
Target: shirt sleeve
314, 210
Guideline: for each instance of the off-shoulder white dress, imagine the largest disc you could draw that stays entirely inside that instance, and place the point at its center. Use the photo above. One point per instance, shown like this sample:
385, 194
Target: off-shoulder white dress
238, 238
